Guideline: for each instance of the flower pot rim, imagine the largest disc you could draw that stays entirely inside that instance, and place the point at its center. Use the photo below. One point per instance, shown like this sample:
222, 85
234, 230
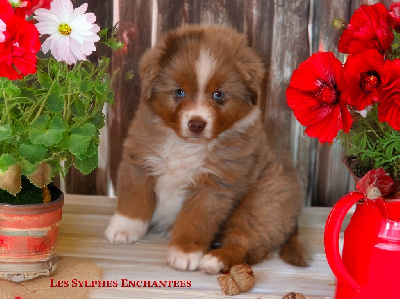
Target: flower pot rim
32, 209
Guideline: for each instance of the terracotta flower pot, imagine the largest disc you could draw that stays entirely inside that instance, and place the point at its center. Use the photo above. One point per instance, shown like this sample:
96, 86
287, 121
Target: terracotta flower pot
28, 234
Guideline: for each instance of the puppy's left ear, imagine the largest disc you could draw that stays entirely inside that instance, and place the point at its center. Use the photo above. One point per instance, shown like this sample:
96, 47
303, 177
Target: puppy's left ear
253, 73
149, 70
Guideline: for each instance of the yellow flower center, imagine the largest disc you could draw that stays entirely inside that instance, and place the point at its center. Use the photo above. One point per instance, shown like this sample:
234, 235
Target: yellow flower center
64, 29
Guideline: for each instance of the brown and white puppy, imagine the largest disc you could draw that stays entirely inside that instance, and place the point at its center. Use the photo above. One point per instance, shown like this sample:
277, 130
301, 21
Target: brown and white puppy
197, 161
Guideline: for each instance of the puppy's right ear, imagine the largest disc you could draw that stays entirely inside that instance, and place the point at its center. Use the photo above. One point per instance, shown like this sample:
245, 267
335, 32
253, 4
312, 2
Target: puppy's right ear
148, 71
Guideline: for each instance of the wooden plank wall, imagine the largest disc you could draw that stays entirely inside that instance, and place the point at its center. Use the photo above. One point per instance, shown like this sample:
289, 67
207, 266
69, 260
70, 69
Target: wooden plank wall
284, 32
97, 181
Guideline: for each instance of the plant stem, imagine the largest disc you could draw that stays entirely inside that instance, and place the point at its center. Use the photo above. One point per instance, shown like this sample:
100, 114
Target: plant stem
6, 104
44, 102
69, 98
46, 194
370, 127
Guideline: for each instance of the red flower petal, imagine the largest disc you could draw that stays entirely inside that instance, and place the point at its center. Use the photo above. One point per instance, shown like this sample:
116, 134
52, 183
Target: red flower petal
369, 28
318, 97
5, 9
394, 16
18, 51
389, 106
30, 6
364, 73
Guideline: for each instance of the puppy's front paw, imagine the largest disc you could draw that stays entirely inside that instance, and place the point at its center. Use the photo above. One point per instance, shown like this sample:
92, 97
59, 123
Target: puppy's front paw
211, 264
182, 260
123, 230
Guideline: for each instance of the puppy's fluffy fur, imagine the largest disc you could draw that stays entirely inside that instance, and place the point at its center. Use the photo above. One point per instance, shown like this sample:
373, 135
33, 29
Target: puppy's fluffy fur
197, 161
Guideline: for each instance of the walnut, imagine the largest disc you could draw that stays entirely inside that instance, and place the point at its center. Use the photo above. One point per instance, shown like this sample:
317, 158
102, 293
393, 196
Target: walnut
293, 295
239, 279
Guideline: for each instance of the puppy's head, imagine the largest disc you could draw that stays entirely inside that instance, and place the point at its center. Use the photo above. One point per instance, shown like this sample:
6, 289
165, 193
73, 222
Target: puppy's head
202, 80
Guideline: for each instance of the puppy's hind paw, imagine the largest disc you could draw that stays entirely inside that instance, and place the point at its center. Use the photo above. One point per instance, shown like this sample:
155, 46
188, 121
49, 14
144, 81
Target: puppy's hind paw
294, 252
183, 261
123, 230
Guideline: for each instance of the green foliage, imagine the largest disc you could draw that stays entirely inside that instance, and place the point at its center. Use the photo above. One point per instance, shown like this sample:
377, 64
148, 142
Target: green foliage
395, 47
374, 143
54, 116
108, 36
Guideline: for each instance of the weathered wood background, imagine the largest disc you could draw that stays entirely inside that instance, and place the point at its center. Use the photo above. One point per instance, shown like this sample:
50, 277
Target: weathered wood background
284, 32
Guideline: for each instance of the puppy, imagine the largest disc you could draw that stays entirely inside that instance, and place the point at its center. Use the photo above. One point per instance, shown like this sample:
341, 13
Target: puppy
197, 161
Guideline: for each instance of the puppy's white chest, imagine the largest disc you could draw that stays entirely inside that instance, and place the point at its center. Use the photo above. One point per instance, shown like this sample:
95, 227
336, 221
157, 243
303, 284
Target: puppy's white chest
176, 166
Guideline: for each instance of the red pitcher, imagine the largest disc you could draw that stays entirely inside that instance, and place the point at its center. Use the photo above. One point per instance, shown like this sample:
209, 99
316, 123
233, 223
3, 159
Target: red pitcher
370, 264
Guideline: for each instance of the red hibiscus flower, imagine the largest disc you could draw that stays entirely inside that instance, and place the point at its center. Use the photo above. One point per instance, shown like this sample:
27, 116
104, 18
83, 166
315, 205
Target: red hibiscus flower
18, 51
28, 7
394, 16
363, 74
389, 106
318, 97
369, 28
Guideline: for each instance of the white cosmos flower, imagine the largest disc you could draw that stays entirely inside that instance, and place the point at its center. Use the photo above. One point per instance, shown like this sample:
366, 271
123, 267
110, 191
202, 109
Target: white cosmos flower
3, 28
72, 31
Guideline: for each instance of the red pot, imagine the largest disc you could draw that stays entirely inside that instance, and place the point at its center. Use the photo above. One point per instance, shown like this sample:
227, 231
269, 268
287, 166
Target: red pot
28, 235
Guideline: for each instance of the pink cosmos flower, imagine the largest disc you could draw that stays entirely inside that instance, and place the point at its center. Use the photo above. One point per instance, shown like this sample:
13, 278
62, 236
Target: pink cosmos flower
72, 32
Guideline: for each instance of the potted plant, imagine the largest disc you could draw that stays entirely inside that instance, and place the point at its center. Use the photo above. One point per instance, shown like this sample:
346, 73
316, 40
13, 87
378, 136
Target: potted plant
358, 103
51, 114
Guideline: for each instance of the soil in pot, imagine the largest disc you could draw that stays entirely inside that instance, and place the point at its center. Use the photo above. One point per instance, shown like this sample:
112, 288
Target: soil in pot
29, 194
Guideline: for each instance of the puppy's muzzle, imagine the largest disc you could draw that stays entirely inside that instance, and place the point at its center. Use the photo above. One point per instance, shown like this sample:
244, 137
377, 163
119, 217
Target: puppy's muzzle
196, 126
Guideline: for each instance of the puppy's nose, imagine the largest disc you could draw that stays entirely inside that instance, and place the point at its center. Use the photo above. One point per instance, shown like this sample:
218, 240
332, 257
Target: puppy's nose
196, 125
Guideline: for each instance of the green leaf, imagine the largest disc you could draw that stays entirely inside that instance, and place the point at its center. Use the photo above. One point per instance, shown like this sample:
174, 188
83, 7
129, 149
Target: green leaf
92, 150
44, 80
79, 109
34, 153
110, 97
80, 138
85, 85
28, 168
55, 102
5, 132
102, 85
87, 165
103, 32
12, 90
99, 120
54, 67
115, 44
6, 160
44, 132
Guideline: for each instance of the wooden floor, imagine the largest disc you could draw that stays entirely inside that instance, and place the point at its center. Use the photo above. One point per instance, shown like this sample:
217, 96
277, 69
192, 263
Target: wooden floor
82, 229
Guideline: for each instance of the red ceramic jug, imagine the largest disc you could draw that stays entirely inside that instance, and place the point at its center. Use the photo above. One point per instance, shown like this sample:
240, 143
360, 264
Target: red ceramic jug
370, 264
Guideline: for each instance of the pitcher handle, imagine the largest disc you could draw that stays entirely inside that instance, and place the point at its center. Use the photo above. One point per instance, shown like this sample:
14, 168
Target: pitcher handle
331, 238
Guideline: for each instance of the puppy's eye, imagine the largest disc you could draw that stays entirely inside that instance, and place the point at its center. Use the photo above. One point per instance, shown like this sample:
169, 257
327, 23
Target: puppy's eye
180, 93
219, 97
